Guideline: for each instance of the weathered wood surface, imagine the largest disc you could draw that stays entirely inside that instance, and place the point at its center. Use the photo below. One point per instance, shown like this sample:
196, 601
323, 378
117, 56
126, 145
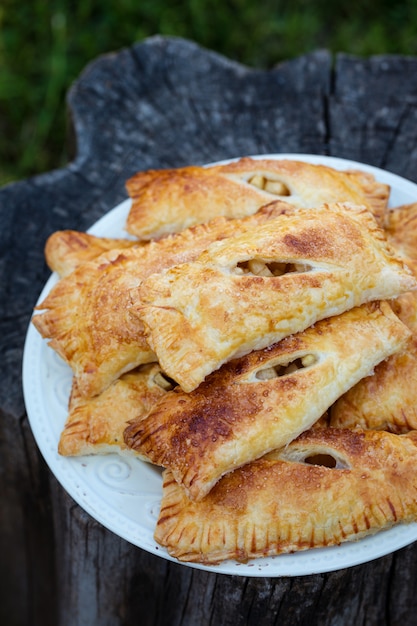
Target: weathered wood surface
162, 103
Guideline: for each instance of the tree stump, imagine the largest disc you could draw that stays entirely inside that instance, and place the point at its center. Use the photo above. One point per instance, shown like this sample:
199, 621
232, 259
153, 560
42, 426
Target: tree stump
167, 102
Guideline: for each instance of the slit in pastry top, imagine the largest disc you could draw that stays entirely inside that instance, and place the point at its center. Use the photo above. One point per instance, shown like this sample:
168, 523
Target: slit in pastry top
200, 315
283, 503
262, 401
277, 370
261, 267
86, 315
169, 200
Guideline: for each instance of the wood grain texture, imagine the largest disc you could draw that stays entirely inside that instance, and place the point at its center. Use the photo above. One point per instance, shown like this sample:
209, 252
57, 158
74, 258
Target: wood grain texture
165, 103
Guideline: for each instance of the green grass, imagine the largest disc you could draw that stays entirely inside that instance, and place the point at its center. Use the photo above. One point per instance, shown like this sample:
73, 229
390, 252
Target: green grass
45, 45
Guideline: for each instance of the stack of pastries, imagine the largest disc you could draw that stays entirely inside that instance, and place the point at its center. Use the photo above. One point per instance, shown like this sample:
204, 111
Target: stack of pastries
255, 337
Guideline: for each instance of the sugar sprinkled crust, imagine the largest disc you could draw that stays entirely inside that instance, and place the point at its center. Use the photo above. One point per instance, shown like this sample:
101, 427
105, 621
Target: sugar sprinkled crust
67, 249
200, 315
223, 498
387, 400
168, 200
86, 316
291, 501
401, 230
96, 425
261, 402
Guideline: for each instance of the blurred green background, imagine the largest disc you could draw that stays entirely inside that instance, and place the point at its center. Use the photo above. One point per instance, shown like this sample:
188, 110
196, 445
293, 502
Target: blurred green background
45, 45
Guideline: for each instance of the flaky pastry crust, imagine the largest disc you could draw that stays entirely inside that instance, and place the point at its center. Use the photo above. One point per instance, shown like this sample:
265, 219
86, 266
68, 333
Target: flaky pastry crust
165, 201
168, 200
87, 316
401, 230
261, 402
313, 265
387, 400
96, 425
67, 249
327, 487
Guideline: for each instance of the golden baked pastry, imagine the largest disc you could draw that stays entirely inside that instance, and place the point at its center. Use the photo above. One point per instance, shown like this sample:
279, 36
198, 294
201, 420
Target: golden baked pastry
401, 230
165, 201
66, 249
327, 487
96, 425
86, 314
262, 401
277, 312
387, 400
86, 318
255, 288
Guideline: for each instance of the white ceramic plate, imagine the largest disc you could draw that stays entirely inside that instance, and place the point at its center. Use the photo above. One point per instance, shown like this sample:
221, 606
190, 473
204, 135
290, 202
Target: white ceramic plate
124, 495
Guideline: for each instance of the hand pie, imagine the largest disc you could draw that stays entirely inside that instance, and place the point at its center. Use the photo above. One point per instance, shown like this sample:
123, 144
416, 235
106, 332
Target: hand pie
86, 318
401, 230
86, 315
166, 201
96, 425
255, 288
261, 402
67, 249
327, 487
387, 400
